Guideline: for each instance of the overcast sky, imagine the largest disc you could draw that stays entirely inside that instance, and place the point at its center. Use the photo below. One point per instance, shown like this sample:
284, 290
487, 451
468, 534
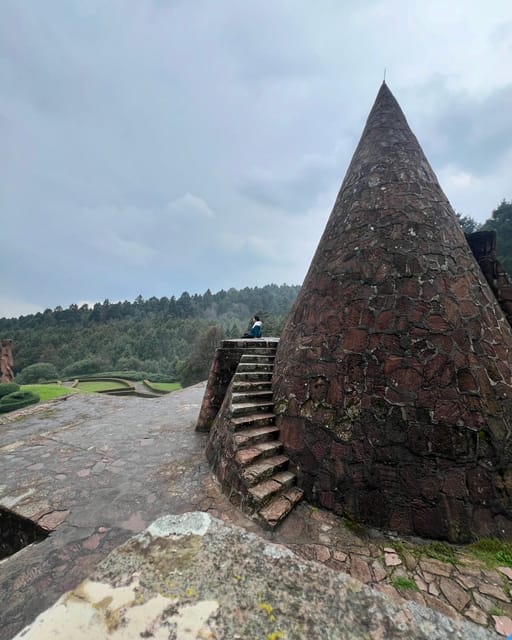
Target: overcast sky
159, 146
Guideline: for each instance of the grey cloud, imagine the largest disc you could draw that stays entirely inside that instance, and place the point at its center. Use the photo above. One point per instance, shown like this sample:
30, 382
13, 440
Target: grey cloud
502, 35
473, 133
259, 41
141, 141
294, 192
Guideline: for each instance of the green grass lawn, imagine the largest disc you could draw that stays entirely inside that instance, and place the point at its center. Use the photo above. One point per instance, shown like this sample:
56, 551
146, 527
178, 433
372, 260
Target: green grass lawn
101, 385
54, 390
166, 386
48, 391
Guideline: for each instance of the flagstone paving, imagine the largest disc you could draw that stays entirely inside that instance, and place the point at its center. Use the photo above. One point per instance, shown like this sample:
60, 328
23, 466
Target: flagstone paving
94, 469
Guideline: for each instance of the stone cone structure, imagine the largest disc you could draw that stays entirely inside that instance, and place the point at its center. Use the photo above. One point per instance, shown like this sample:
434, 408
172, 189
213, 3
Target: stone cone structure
393, 383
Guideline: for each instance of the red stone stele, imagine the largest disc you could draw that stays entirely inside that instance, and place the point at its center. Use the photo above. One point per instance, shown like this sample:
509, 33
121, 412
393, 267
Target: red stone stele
393, 383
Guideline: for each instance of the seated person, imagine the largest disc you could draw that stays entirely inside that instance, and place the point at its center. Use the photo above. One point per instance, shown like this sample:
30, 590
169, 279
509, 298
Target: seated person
255, 331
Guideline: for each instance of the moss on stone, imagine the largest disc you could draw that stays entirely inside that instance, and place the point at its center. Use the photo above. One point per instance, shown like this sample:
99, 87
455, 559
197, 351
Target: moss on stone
492, 552
403, 583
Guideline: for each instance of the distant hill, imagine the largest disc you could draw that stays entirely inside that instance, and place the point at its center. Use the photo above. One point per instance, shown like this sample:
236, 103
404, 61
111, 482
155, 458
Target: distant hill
157, 335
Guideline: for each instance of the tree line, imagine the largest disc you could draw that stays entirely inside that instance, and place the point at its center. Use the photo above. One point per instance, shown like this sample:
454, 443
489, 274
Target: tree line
165, 338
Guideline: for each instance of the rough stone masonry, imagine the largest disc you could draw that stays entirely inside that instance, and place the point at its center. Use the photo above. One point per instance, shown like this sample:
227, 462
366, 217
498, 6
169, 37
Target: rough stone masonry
175, 581
393, 381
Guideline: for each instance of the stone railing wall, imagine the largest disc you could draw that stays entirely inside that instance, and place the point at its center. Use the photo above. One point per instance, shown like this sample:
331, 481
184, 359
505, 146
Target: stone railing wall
483, 246
223, 369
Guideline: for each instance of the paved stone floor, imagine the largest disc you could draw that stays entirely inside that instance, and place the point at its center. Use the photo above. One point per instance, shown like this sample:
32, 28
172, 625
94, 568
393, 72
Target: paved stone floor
95, 469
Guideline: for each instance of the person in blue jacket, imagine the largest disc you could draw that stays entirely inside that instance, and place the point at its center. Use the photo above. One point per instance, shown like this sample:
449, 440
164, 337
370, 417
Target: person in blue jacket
255, 330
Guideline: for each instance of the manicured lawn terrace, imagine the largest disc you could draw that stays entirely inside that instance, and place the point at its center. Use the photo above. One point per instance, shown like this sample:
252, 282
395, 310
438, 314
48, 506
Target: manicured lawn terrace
166, 386
49, 391
99, 385
54, 390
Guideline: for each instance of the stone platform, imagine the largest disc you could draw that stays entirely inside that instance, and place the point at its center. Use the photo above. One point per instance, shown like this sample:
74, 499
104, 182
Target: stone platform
95, 470
175, 580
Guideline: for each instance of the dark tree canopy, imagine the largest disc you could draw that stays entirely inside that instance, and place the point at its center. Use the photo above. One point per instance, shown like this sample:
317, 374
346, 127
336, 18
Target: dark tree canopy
168, 337
501, 223
468, 224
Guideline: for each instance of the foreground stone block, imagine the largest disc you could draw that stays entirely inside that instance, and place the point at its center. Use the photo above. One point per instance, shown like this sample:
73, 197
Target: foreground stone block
191, 576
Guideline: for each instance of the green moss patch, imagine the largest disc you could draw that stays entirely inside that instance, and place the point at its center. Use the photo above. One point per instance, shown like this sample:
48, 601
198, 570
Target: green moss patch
402, 583
439, 551
492, 552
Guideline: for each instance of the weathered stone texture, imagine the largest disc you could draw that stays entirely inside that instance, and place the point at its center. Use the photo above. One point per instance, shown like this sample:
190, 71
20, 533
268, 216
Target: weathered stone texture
191, 576
6, 361
224, 365
393, 378
222, 450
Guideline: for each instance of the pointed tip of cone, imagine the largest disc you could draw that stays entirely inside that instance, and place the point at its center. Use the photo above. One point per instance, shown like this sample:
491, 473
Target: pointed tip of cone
384, 89
387, 140
385, 95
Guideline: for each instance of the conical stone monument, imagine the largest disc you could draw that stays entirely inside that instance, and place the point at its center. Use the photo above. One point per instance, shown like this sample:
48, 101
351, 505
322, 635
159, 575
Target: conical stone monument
393, 381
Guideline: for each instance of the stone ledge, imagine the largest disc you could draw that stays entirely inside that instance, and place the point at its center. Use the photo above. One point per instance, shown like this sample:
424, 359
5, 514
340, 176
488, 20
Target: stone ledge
176, 579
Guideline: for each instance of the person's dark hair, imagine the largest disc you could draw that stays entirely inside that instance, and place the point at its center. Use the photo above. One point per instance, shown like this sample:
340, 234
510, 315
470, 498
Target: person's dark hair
256, 318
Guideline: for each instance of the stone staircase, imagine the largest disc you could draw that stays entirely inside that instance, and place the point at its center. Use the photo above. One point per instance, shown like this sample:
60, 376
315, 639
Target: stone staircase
251, 465
264, 469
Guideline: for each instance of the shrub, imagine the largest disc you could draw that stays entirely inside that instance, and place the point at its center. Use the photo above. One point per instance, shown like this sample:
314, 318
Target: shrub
38, 372
134, 375
17, 400
127, 375
8, 387
85, 367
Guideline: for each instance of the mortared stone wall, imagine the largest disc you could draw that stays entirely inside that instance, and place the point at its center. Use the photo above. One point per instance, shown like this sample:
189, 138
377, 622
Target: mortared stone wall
393, 382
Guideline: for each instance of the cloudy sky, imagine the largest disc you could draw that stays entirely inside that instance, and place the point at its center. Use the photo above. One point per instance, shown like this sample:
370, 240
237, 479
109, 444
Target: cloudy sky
156, 146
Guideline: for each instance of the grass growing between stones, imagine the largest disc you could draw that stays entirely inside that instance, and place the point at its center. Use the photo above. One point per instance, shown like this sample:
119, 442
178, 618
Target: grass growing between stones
403, 583
354, 527
439, 551
493, 553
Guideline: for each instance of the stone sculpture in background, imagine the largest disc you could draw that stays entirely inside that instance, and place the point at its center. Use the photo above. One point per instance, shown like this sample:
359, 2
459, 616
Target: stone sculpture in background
7, 362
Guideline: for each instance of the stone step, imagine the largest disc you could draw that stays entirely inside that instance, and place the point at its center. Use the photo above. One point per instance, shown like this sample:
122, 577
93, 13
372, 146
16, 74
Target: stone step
249, 408
252, 396
254, 366
253, 376
259, 451
264, 491
257, 353
253, 420
248, 357
262, 351
248, 386
249, 437
279, 507
286, 478
264, 469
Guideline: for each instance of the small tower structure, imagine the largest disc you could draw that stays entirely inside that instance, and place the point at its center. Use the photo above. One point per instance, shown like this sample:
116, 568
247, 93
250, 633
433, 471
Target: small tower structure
393, 382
